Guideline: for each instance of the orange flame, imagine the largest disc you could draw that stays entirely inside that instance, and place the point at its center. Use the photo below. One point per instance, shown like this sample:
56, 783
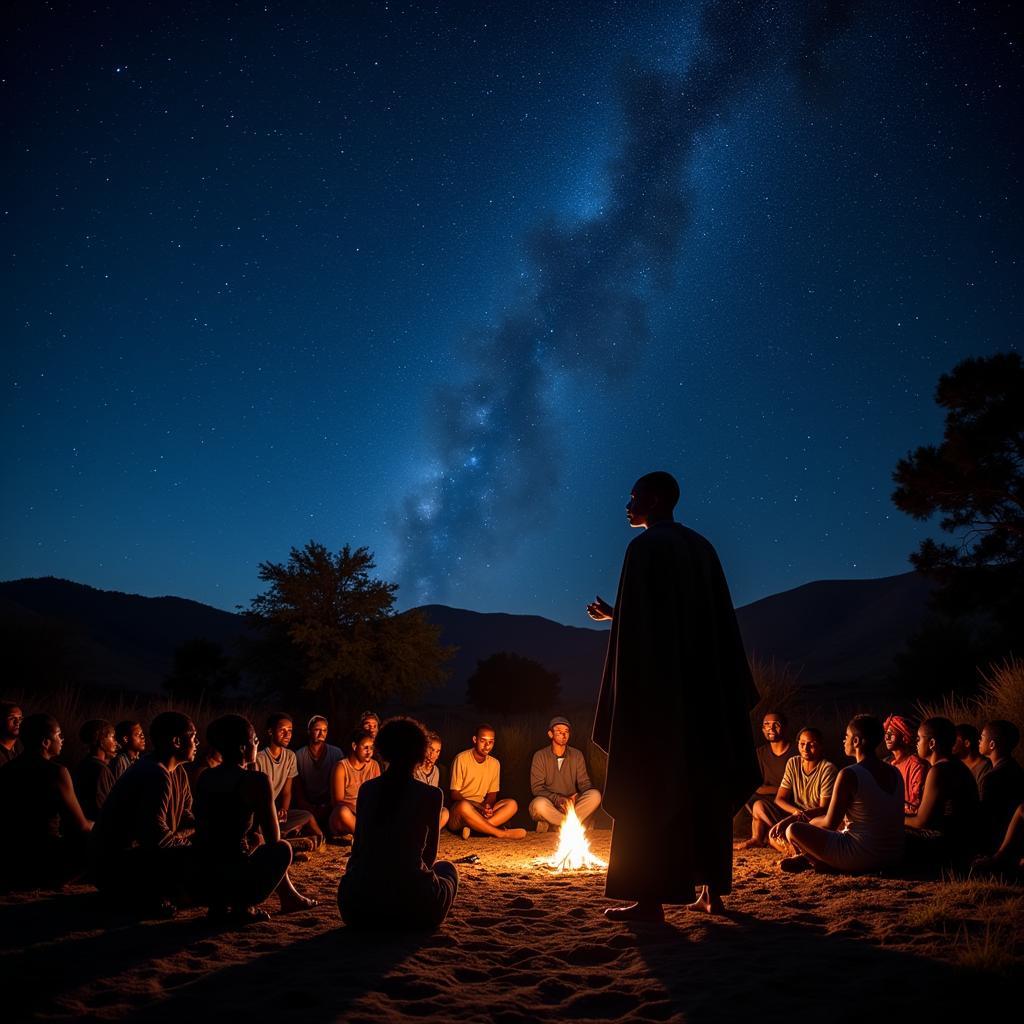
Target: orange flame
573, 851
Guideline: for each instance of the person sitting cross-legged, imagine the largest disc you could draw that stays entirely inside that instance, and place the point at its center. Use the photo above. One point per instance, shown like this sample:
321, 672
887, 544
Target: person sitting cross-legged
945, 829
862, 830
316, 762
900, 741
474, 786
429, 772
43, 831
1002, 788
131, 742
393, 878
772, 757
231, 802
349, 774
93, 777
143, 857
805, 792
558, 779
279, 763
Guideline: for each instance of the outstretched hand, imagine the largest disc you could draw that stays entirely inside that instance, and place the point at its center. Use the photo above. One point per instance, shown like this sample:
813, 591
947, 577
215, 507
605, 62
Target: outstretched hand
600, 610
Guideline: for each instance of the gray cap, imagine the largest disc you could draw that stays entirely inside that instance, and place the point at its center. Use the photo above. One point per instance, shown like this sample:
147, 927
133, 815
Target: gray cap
558, 720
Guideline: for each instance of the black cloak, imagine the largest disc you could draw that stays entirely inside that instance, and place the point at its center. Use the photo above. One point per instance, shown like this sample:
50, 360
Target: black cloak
673, 716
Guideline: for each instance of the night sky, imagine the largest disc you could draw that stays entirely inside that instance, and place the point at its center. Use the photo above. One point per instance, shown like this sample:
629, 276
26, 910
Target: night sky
443, 280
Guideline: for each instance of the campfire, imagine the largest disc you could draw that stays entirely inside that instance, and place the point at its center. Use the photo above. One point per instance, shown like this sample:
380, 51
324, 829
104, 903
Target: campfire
573, 853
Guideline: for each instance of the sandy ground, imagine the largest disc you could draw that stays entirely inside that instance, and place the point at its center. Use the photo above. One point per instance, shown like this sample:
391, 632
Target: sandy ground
523, 944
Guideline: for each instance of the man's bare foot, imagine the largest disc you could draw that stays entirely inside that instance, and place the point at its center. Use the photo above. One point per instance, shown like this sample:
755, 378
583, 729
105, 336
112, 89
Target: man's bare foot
641, 911
465, 832
513, 833
291, 903
750, 844
705, 903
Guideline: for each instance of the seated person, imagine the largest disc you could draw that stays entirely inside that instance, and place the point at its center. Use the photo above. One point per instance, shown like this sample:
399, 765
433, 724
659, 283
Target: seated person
278, 762
42, 828
804, 793
558, 778
349, 774
142, 841
966, 749
862, 829
473, 794
1009, 858
393, 878
1002, 788
93, 778
315, 762
206, 758
369, 721
10, 728
901, 741
772, 757
131, 742
232, 801
945, 828
428, 771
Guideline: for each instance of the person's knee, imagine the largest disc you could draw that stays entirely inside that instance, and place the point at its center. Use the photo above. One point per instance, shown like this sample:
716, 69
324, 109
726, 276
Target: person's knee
510, 805
538, 805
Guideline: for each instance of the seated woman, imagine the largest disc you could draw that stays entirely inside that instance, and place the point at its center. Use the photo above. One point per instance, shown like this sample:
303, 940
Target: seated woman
393, 879
429, 773
231, 800
349, 774
863, 827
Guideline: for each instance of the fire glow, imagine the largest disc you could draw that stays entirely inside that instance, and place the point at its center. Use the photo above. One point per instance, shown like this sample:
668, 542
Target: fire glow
573, 853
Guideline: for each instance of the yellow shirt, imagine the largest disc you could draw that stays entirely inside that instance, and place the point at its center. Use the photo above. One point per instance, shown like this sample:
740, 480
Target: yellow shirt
473, 779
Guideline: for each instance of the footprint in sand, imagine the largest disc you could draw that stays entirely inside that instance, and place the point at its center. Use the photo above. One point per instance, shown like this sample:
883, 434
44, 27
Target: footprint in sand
589, 956
408, 988
470, 975
604, 1005
554, 991
521, 901
518, 955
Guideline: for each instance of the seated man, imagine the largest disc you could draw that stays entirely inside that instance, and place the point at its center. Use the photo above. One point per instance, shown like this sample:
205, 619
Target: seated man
558, 778
945, 828
966, 749
804, 793
349, 774
93, 778
429, 773
473, 793
279, 763
772, 758
369, 721
131, 742
1002, 788
10, 728
142, 851
862, 830
315, 762
42, 828
900, 741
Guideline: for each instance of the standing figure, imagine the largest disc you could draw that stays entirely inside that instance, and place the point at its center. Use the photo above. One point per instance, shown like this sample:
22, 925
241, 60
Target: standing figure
676, 664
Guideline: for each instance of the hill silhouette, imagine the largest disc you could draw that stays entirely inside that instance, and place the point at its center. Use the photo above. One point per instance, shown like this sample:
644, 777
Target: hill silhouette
841, 632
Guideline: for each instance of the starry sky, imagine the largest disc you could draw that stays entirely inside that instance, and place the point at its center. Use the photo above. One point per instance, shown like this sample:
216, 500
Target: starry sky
444, 279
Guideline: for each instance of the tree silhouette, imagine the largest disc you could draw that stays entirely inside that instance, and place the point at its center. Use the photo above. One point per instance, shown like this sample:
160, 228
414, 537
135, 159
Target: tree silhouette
508, 683
975, 479
326, 625
201, 671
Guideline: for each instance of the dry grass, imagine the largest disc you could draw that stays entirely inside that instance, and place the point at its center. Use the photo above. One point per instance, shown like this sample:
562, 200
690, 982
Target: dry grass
1001, 696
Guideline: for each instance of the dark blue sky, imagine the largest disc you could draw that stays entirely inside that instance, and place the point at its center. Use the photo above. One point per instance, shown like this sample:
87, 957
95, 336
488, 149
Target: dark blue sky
445, 281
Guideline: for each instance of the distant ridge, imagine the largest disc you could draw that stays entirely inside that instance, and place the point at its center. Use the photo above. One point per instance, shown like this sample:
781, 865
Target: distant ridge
840, 632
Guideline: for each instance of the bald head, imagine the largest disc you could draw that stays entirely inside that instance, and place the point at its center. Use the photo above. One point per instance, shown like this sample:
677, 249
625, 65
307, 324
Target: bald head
653, 498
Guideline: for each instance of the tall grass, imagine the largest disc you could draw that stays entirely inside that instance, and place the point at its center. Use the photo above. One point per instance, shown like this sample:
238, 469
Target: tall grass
1001, 696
